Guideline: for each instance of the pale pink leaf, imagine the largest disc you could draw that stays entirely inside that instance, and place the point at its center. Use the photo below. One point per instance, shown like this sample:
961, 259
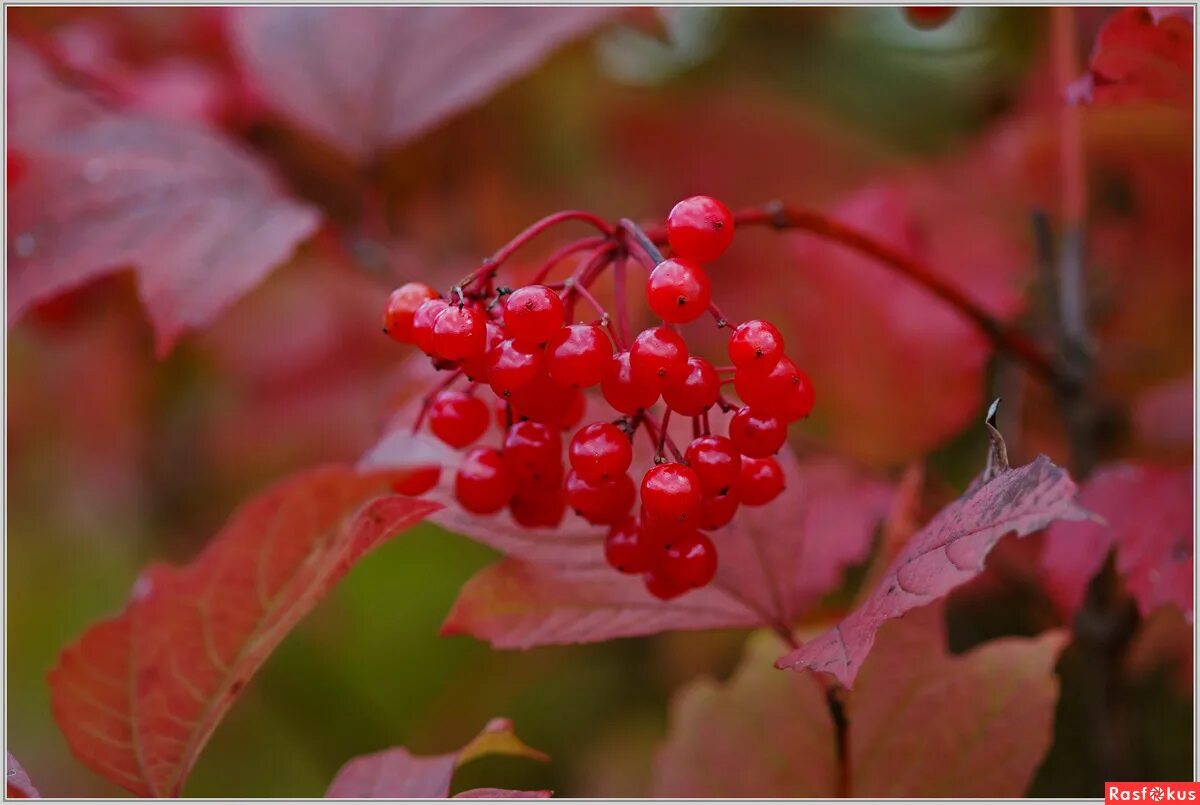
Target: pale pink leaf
502, 793
138, 695
367, 78
949, 551
19, 784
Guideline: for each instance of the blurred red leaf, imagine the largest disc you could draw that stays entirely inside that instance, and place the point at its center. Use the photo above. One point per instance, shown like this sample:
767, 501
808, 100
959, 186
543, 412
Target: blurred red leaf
1162, 416
382, 76
1149, 521
917, 374
949, 551
1141, 55
398, 773
19, 784
198, 218
922, 723
138, 695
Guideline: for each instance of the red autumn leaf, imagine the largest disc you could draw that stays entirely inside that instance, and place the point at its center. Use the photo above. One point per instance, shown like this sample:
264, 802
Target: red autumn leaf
921, 722
1162, 416
949, 551
398, 773
19, 784
917, 374
138, 695
197, 217
1140, 56
1148, 514
365, 79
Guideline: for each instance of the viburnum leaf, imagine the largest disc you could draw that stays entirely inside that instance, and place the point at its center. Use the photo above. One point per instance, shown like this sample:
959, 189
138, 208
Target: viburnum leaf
197, 217
1141, 55
921, 722
377, 77
555, 587
138, 695
902, 336
19, 784
398, 773
1147, 514
947, 552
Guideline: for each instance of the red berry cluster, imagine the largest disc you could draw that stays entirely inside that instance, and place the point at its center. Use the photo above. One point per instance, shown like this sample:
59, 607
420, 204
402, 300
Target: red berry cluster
522, 346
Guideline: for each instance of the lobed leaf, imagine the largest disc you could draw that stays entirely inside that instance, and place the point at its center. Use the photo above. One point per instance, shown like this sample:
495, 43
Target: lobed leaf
138, 695
197, 217
377, 77
398, 773
949, 551
920, 722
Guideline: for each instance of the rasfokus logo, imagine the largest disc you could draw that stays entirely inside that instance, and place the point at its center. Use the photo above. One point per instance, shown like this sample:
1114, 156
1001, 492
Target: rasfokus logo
1151, 792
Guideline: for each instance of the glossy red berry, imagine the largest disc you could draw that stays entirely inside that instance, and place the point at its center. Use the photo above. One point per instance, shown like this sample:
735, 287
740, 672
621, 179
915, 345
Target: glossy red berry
700, 228
624, 392
716, 462
662, 586
459, 332
600, 452
422, 323
928, 17
533, 454
755, 346
511, 365
482, 484
476, 366
538, 508
543, 400
533, 313
418, 481
458, 418
678, 290
578, 355
658, 357
771, 392
756, 435
761, 481
696, 391
671, 492
402, 305
718, 510
623, 548
690, 562
799, 403
603, 502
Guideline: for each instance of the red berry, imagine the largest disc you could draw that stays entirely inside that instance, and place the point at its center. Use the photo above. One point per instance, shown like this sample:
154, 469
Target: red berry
570, 414
718, 510
658, 357
457, 418
600, 503
700, 228
622, 391
761, 481
799, 403
601, 451
533, 313
623, 548
511, 365
928, 17
661, 586
476, 366
539, 509
459, 332
543, 400
482, 484
690, 562
401, 306
771, 393
418, 481
756, 435
578, 355
755, 346
716, 463
678, 290
422, 323
533, 454
696, 391
671, 492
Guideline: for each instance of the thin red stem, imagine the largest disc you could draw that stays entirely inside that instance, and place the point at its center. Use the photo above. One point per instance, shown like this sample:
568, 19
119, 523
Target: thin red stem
428, 401
493, 263
563, 253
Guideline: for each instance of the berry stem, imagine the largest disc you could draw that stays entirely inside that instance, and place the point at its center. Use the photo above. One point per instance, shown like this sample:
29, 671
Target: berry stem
647, 244
577, 283
662, 436
493, 263
620, 265
428, 401
571, 248
658, 433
